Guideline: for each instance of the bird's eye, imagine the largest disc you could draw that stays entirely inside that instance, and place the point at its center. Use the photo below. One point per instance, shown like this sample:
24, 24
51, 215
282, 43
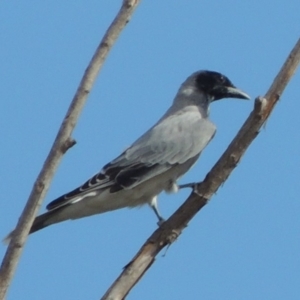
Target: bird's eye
222, 79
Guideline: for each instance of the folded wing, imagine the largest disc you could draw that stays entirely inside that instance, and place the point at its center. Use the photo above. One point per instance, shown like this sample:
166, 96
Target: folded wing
173, 141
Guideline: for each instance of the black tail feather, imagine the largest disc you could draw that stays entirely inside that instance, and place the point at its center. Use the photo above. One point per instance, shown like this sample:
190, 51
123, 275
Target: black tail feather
39, 223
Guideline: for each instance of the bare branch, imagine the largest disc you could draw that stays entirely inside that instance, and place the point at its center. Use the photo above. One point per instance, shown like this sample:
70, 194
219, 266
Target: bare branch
173, 227
62, 143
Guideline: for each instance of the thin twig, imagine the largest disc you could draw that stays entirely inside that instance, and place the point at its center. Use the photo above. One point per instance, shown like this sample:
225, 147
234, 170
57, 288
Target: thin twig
173, 227
62, 143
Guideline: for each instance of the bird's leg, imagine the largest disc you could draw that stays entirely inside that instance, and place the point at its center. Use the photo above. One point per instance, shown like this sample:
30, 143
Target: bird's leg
153, 204
191, 185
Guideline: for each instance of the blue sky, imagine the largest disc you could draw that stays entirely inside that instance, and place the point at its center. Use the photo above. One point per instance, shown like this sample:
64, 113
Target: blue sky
245, 243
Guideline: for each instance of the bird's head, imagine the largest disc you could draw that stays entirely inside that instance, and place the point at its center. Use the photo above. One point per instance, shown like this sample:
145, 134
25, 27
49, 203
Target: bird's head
216, 86
204, 87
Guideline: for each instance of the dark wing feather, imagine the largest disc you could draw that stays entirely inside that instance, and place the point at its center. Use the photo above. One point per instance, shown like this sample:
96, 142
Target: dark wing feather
89, 186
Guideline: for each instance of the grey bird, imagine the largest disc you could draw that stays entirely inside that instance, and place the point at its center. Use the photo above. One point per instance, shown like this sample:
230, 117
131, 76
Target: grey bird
155, 161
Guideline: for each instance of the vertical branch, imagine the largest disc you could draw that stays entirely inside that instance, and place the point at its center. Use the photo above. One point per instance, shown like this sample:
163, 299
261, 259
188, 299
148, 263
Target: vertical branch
62, 143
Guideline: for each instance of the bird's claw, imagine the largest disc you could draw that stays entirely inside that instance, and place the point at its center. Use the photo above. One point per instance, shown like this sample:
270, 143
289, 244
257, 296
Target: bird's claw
161, 221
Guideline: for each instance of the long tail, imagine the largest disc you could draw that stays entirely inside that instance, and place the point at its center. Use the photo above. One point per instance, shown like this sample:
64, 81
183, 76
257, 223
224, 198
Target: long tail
39, 223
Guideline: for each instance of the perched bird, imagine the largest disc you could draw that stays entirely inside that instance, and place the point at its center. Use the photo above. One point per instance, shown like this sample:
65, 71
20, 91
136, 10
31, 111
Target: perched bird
155, 161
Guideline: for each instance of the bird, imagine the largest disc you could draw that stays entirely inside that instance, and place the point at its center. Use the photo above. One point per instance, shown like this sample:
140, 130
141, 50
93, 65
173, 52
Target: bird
155, 161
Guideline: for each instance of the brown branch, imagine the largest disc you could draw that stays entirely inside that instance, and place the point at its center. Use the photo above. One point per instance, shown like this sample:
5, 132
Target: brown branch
173, 227
62, 143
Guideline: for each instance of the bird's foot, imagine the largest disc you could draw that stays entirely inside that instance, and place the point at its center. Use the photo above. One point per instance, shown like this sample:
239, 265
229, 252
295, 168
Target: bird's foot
161, 221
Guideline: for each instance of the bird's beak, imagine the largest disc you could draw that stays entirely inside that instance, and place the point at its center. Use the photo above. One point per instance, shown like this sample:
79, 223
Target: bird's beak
233, 92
